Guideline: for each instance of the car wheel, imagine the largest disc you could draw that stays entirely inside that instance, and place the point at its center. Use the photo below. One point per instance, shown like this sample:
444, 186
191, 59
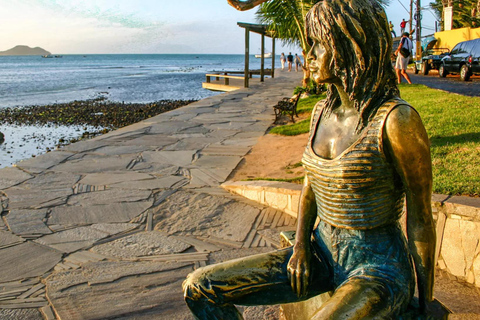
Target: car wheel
441, 71
416, 69
464, 73
425, 67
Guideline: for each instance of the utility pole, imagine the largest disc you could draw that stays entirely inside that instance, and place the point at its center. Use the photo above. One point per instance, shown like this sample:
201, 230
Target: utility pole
410, 21
418, 31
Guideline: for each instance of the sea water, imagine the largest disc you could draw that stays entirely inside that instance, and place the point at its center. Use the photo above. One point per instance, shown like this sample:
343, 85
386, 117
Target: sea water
34, 80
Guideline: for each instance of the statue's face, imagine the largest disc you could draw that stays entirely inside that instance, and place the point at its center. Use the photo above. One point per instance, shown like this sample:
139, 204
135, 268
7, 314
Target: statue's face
319, 61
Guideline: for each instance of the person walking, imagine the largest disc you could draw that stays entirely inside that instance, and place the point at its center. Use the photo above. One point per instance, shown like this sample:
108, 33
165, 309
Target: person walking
403, 24
282, 60
289, 61
298, 62
403, 54
390, 24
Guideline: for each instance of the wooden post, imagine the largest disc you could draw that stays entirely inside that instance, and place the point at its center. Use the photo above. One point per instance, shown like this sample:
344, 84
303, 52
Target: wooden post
262, 60
247, 53
273, 58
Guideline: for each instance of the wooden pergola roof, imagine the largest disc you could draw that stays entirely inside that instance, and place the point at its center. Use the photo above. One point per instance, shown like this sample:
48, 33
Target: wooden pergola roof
262, 30
257, 28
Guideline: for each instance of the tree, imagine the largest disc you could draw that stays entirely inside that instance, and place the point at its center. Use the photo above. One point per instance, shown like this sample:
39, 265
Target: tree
466, 13
286, 19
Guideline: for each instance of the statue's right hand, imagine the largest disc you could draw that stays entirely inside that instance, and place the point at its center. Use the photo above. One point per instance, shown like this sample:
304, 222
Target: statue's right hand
298, 269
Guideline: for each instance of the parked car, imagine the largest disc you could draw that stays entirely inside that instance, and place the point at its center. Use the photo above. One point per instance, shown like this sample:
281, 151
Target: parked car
431, 57
464, 59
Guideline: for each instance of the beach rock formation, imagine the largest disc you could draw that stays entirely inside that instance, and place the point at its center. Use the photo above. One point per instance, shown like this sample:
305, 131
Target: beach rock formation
2, 138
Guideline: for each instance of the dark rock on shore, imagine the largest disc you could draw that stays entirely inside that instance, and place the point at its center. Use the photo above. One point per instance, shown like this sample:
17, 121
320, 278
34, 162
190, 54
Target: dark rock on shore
97, 113
2, 137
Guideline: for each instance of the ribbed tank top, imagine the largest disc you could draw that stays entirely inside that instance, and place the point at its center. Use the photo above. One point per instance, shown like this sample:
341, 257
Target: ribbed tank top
359, 189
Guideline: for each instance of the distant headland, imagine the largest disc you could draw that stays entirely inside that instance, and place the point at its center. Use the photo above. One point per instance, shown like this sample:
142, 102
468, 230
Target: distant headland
25, 51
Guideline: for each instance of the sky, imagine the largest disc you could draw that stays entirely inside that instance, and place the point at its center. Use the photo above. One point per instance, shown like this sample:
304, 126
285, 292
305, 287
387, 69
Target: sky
141, 26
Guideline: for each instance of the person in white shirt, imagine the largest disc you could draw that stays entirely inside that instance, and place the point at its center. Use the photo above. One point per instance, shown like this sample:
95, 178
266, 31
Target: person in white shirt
403, 54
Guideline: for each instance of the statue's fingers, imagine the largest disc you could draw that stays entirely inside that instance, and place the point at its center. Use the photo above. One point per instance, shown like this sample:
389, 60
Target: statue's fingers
306, 281
299, 282
293, 281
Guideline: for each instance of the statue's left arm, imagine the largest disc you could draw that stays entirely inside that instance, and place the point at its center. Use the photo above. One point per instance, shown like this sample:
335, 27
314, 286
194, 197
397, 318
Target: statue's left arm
406, 143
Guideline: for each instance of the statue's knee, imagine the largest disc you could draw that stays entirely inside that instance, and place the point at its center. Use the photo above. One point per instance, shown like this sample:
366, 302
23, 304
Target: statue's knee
195, 286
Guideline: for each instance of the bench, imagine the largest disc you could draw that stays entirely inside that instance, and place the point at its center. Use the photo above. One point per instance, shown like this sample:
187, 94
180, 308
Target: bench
287, 106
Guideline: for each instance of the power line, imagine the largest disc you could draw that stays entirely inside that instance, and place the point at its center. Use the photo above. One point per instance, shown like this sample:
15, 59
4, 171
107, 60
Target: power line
408, 11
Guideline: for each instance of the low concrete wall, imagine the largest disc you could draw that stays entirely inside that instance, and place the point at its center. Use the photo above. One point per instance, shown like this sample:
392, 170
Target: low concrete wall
457, 223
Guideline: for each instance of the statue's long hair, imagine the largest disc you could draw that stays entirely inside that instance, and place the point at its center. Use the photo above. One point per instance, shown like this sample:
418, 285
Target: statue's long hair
358, 35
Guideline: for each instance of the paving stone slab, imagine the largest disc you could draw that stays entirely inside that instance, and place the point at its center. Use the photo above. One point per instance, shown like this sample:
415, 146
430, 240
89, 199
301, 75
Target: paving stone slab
183, 117
120, 150
131, 131
95, 163
73, 239
142, 244
151, 140
120, 290
20, 314
232, 125
155, 168
168, 182
35, 261
51, 180
44, 161
11, 176
179, 158
107, 179
192, 144
195, 130
108, 196
84, 215
240, 141
208, 177
171, 126
83, 146
222, 134
204, 215
20, 198
199, 178
8, 239
225, 150
208, 161
27, 222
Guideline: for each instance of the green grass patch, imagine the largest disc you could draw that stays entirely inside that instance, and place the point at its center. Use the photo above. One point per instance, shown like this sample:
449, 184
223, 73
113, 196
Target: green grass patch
295, 165
307, 104
452, 122
293, 129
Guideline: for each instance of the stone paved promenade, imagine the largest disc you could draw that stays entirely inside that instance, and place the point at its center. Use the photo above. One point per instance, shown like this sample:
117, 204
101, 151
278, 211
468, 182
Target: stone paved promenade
110, 227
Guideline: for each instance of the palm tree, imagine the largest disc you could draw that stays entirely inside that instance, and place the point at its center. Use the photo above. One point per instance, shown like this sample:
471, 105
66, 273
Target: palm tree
466, 13
286, 19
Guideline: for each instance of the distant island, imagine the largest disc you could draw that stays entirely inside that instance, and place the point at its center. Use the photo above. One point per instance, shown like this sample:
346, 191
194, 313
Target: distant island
25, 51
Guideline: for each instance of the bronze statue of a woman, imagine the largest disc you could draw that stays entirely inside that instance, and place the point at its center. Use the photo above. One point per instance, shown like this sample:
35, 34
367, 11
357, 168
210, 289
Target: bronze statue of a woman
367, 158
